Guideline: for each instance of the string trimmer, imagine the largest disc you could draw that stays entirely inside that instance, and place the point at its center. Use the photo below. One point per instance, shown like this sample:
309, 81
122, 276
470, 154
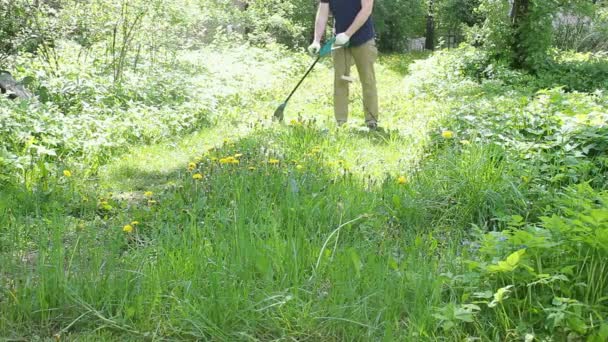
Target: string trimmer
325, 50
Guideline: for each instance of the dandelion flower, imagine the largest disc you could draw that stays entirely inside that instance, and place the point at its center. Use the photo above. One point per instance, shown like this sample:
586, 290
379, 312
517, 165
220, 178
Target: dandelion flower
447, 134
229, 160
105, 205
197, 176
191, 166
127, 229
134, 223
238, 155
402, 180
273, 161
67, 173
148, 194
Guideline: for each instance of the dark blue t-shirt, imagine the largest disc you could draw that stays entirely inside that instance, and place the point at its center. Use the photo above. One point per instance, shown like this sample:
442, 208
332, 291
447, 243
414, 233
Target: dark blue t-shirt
344, 12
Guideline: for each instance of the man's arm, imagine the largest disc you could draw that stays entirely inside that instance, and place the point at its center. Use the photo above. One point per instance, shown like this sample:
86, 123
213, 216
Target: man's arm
321, 20
366, 11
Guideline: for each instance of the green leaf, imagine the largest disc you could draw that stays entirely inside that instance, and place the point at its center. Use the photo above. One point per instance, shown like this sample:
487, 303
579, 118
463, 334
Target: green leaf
356, 260
500, 296
509, 264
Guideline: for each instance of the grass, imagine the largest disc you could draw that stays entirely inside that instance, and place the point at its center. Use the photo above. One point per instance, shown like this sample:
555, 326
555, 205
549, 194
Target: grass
293, 249
254, 230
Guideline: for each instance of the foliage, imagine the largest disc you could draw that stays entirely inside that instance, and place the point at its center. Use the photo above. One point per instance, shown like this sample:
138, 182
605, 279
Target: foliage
395, 21
538, 272
286, 22
82, 115
455, 17
552, 274
582, 33
521, 33
29, 29
145, 194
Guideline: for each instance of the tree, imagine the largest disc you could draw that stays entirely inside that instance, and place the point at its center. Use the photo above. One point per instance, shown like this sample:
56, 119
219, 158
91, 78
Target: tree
430, 27
453, 16
520, 31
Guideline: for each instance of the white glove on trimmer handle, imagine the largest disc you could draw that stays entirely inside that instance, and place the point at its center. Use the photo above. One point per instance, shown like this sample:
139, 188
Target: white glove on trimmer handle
314, 48
342, 39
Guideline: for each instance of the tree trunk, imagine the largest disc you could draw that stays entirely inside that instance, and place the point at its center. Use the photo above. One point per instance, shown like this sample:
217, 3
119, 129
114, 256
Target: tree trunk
430, 29
519, 17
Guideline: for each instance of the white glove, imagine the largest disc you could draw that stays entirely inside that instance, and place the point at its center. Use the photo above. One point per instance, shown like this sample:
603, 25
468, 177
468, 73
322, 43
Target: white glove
342, 39
314, 48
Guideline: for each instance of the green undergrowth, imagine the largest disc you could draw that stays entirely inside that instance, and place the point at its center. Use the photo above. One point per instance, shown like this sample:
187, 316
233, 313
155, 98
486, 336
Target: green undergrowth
477, 212
81, 118
264, 237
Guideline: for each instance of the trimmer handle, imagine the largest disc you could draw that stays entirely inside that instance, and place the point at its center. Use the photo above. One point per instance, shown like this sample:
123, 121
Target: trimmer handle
326, 49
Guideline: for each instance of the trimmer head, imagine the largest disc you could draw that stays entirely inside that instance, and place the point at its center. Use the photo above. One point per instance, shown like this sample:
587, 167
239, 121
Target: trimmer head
279, 114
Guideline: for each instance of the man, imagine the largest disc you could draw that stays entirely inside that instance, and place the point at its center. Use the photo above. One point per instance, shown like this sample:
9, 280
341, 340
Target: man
354, 26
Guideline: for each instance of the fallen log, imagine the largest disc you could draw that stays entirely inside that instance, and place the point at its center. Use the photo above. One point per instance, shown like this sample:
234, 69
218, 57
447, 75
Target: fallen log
11, 88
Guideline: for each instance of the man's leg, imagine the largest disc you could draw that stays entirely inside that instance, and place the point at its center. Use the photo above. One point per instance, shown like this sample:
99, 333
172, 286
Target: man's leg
365, 56
342, 64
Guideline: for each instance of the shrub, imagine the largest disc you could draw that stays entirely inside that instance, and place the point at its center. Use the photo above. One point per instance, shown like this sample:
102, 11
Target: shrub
545, 279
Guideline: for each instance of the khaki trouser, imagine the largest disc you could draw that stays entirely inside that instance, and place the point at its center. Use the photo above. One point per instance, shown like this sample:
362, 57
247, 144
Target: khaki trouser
363, 56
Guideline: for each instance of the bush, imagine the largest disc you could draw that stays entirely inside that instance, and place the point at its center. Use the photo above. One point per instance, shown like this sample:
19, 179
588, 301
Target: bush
396, 21
545, 279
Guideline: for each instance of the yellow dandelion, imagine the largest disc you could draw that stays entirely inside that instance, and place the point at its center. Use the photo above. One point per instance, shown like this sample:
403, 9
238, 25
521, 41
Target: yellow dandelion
105, 205
127, 229
447, 134
402, 180
191, 166
67, 173
238, 155
148, 194
273, 161
224, 161
134, 223
197, 176
299, 167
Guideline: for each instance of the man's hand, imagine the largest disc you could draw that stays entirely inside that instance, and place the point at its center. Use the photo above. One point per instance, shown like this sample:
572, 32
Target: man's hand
342, 39
314, 48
